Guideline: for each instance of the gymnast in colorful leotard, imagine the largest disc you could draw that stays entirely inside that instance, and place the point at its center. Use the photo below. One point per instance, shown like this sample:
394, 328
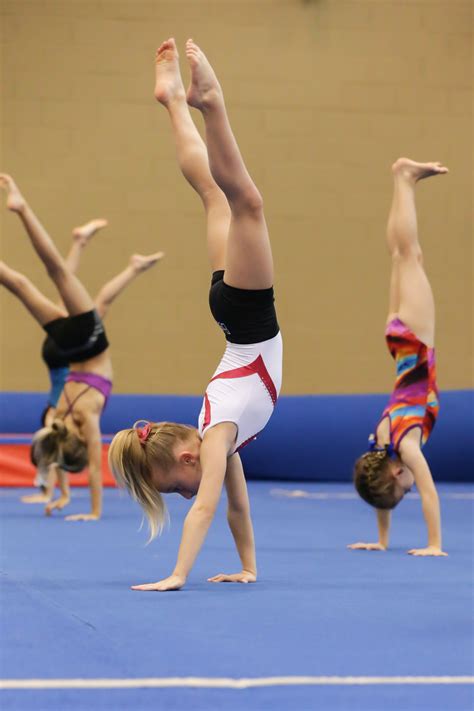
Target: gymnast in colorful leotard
163, 457
71, 439
395, 462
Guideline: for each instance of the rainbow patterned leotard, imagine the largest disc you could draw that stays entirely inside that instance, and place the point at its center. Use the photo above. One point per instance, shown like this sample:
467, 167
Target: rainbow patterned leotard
414, 400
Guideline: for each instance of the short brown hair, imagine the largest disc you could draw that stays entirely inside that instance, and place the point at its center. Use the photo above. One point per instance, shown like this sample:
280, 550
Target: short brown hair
374, 481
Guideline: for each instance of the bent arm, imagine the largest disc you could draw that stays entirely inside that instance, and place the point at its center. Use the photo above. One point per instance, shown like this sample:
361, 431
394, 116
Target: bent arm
238, 514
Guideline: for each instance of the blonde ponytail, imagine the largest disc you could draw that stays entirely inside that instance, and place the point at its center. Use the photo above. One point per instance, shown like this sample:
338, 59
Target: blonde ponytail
133, 453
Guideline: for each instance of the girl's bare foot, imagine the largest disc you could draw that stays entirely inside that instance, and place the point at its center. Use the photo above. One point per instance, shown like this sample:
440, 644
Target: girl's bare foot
406, 168
83, 233
168, 83
204, 89
140, 263
15, 200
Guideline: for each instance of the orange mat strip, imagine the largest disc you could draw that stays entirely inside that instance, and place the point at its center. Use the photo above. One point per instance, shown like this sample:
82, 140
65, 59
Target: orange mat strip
17, 470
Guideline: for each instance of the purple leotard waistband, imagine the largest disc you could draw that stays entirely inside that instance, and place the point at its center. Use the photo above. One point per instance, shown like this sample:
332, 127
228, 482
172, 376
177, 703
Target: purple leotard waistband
98, 382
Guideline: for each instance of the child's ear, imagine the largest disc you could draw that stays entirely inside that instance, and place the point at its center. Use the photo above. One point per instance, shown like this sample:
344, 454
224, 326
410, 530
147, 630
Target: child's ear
187, 458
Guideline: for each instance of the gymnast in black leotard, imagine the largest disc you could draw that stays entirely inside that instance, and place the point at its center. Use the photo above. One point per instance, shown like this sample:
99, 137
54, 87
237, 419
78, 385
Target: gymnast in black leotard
72, 439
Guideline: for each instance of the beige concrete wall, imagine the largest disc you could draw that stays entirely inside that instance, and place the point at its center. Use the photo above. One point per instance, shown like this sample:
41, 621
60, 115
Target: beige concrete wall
323, 96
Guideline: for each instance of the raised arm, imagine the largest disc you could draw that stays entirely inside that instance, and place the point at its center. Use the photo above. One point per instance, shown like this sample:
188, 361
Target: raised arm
240, 524
413, 457
92, 435
213, 458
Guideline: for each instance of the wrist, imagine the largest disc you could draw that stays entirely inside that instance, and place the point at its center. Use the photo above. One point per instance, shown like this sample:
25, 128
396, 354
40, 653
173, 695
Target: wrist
250, 569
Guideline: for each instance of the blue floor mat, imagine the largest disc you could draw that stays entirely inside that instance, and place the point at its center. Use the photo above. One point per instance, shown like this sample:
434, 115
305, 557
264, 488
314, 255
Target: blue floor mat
318, 609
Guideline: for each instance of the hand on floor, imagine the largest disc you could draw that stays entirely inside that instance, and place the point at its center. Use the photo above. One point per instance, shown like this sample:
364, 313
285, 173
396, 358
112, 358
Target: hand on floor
82, 517
174, 582
366, 547
35, 499
430, 550
57, 504
244, 577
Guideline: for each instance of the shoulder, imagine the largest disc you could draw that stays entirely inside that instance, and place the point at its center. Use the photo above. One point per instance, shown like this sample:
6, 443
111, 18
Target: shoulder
222, 433
410, 446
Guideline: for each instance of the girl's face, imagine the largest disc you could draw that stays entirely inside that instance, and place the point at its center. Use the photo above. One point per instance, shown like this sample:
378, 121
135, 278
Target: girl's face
184, 476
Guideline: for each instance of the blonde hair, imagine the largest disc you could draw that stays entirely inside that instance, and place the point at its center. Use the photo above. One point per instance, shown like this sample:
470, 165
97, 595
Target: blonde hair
131, 459
374, 481
56, 444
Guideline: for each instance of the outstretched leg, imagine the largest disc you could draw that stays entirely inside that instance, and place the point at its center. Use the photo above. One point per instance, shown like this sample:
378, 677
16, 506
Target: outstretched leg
249, 263
411, 297
74, 295
109, 292
80, 238
191, 151
41, 308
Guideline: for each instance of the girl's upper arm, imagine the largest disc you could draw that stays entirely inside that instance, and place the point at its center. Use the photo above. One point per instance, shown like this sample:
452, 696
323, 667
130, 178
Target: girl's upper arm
414, 458
93, 438
213, 457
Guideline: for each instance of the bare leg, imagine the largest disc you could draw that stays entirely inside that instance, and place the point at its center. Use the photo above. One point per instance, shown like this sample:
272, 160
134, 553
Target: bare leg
80, 238
109, 292
249, 263
411, 297
191, 151
41, 308
72, 292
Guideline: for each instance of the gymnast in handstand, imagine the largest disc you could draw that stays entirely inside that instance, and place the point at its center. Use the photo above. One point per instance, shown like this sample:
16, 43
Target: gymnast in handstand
58, 363
395, 461
71, 437
163, 458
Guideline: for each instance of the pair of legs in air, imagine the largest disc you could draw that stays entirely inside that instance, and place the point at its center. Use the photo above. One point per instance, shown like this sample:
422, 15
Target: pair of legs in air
74, 297
410, 297
237, 235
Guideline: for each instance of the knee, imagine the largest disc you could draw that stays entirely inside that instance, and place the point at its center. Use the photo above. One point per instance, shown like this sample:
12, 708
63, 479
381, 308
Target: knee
19, 282
408, 252
249, 200
214, 198
56, 271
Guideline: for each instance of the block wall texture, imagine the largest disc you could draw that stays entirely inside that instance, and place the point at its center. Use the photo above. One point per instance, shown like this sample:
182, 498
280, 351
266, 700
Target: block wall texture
323, 96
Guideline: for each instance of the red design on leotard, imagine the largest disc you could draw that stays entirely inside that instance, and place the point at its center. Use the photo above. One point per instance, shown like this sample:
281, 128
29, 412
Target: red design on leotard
207, 412
258, 367
247, 441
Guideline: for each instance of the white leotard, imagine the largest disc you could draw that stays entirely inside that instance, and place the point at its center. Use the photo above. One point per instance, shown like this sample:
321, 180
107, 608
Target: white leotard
244, 389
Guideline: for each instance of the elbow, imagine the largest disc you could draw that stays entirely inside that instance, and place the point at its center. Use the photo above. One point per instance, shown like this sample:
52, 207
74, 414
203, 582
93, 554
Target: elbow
430, 500
204, 512
237, 512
